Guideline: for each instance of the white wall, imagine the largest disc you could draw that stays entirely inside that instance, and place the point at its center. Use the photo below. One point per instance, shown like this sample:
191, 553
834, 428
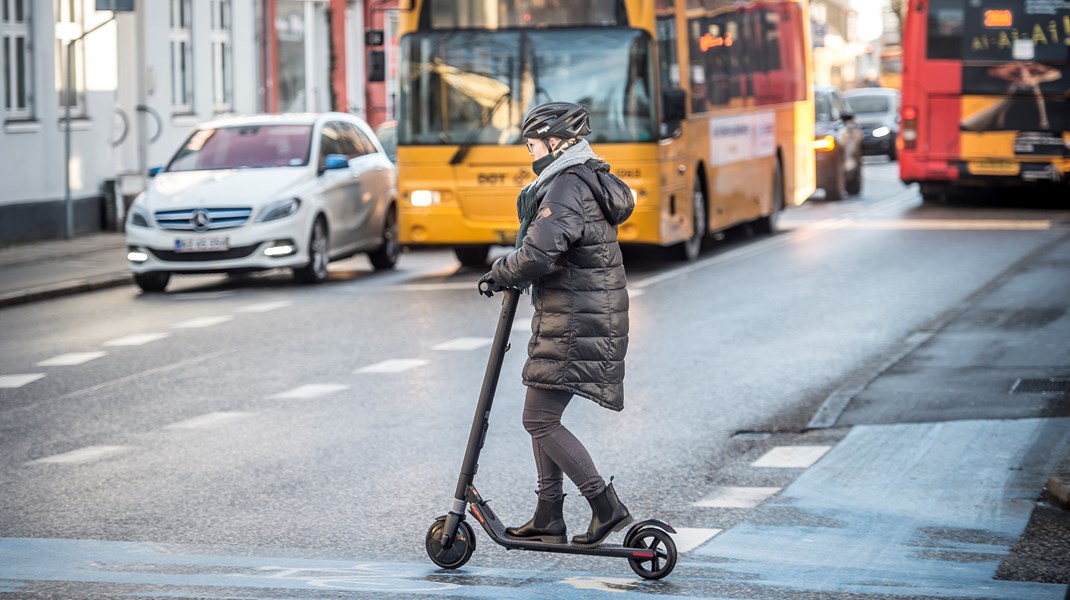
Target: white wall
128, 63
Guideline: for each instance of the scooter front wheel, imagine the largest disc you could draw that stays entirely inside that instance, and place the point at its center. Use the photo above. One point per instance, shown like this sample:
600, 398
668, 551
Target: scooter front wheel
464, 544
660, 544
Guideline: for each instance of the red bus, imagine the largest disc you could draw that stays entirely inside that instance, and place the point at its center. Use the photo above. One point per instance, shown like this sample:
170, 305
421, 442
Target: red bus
986, 95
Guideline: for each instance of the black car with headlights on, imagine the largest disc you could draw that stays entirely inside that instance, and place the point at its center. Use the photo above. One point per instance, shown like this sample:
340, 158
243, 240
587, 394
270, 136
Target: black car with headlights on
877, 111
837, 145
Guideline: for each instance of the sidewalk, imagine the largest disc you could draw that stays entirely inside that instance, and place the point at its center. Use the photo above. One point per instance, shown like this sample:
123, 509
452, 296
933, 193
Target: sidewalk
47, 269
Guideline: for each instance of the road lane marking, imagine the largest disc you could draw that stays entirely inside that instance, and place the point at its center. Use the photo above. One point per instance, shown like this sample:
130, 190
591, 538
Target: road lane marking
182, 364
82, 455
264, 307
311, 390
689, 538
393, 365
210, 420
791, 457
70, 359
464, 343
953, 225
202, 322
136, 339
737, 497
18, 380
635, 292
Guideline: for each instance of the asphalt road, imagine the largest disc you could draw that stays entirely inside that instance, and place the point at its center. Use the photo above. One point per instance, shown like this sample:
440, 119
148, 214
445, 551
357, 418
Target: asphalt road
256, 438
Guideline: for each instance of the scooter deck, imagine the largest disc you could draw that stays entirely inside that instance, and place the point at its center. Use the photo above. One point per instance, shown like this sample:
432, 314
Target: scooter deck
494, 528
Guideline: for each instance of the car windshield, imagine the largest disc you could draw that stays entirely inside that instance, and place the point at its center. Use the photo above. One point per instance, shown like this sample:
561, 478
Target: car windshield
244, 147
822, 107
476, 86
870, 104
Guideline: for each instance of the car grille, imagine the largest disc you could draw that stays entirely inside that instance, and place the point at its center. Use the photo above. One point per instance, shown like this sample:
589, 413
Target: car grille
236, 252
218, 218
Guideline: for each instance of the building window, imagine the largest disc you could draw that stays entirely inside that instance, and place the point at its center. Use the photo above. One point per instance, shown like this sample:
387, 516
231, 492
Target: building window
222, 75
16, 56
181, 57
70, 25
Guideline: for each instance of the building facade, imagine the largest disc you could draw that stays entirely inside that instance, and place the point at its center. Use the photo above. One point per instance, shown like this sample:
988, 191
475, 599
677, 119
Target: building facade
142, 79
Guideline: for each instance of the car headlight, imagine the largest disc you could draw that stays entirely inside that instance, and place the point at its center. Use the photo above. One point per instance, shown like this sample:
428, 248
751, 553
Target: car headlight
881, 132
280, 209
139, 217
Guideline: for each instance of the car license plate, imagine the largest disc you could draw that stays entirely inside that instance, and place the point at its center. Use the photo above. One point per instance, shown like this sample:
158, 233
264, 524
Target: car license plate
215, 243
993, 167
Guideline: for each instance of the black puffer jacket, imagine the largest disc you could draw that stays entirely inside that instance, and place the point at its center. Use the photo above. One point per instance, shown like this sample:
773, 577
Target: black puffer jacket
571, 256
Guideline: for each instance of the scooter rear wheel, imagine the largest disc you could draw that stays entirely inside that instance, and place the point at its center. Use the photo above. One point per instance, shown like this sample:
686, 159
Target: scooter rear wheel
464, 544
660, 543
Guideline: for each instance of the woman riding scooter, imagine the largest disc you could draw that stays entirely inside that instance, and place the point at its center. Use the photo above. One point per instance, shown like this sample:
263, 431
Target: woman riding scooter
567, 252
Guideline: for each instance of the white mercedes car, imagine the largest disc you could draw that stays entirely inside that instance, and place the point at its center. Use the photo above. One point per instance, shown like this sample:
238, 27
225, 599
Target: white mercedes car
264, 192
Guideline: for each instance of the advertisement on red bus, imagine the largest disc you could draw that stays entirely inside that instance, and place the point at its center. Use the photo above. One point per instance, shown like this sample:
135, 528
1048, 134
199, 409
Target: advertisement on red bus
986, 94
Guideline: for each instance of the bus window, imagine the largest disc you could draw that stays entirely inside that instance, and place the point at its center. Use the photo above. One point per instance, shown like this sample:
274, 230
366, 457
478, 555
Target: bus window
449, 14
946, 23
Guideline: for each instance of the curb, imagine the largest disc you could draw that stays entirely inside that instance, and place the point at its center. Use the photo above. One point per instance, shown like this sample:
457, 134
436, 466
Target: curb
65, 288
1057, 488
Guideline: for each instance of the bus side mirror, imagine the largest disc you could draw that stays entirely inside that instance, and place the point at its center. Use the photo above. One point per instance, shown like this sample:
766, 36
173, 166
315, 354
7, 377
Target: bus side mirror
674, 103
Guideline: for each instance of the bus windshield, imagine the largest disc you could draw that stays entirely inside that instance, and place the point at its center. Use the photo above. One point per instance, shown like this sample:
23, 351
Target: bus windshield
475, 86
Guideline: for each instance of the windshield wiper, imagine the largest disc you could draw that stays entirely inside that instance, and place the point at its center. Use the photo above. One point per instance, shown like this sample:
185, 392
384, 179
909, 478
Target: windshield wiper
473, 134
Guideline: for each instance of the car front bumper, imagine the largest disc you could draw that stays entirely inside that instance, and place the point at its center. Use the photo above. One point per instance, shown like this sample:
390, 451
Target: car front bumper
246, 246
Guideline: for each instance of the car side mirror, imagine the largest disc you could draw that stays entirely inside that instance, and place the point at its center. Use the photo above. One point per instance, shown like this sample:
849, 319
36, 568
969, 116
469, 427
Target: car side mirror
335, 161
847, 117
154, 171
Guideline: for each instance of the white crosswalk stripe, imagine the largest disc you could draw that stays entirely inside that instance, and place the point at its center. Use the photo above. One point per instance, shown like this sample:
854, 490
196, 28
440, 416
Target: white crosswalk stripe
202, 322
311, 390
791, 457
393, 365
18, 380
464, 343
136, 339
737, 497
83, 455
70, 359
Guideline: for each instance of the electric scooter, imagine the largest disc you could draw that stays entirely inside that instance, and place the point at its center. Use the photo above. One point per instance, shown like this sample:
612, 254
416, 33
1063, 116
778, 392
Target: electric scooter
450, 541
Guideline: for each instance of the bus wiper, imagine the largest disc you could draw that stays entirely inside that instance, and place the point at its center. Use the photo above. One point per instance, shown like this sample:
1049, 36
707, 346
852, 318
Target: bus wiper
473, 135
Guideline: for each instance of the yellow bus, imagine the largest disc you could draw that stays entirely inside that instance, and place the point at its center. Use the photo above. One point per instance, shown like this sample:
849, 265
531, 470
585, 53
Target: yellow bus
704, 107
891, 70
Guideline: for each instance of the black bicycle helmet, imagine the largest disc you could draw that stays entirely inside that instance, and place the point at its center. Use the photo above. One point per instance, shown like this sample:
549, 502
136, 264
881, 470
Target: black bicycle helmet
563, 120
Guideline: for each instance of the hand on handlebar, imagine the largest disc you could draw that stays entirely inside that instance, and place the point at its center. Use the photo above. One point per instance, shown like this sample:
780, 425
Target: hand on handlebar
488, 286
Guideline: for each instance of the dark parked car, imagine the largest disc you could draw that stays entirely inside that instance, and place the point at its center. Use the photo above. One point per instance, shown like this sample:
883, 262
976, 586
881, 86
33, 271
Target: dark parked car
877, 111
837, 145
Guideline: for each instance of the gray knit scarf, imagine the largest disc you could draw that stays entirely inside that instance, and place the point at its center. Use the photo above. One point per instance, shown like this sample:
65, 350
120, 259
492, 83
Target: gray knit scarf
527, 203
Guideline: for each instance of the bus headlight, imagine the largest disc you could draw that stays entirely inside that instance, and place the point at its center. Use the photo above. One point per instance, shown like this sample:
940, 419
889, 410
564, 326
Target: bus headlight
825, 144
881, 132
423, 198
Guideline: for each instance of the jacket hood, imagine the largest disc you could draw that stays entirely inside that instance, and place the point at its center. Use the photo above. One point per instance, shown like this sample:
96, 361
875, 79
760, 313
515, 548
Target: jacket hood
614, 197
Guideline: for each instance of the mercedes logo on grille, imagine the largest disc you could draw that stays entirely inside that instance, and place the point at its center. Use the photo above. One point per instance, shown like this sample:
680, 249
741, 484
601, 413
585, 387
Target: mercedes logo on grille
200, 220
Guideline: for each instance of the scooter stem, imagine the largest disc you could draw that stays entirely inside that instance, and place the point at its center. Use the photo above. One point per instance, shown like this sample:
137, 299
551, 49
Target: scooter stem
480, 422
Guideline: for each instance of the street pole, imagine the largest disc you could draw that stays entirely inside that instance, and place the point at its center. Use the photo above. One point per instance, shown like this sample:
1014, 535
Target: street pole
68, 205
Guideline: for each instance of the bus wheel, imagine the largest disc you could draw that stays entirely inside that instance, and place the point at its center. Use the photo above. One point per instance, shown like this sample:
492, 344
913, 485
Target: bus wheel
690, 248
472, 256
768, 224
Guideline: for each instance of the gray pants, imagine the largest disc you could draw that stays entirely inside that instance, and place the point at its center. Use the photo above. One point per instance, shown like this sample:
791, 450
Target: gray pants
556, 449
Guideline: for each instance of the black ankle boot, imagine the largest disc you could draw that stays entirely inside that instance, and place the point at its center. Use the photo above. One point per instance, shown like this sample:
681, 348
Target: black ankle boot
548, 524
607, 515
